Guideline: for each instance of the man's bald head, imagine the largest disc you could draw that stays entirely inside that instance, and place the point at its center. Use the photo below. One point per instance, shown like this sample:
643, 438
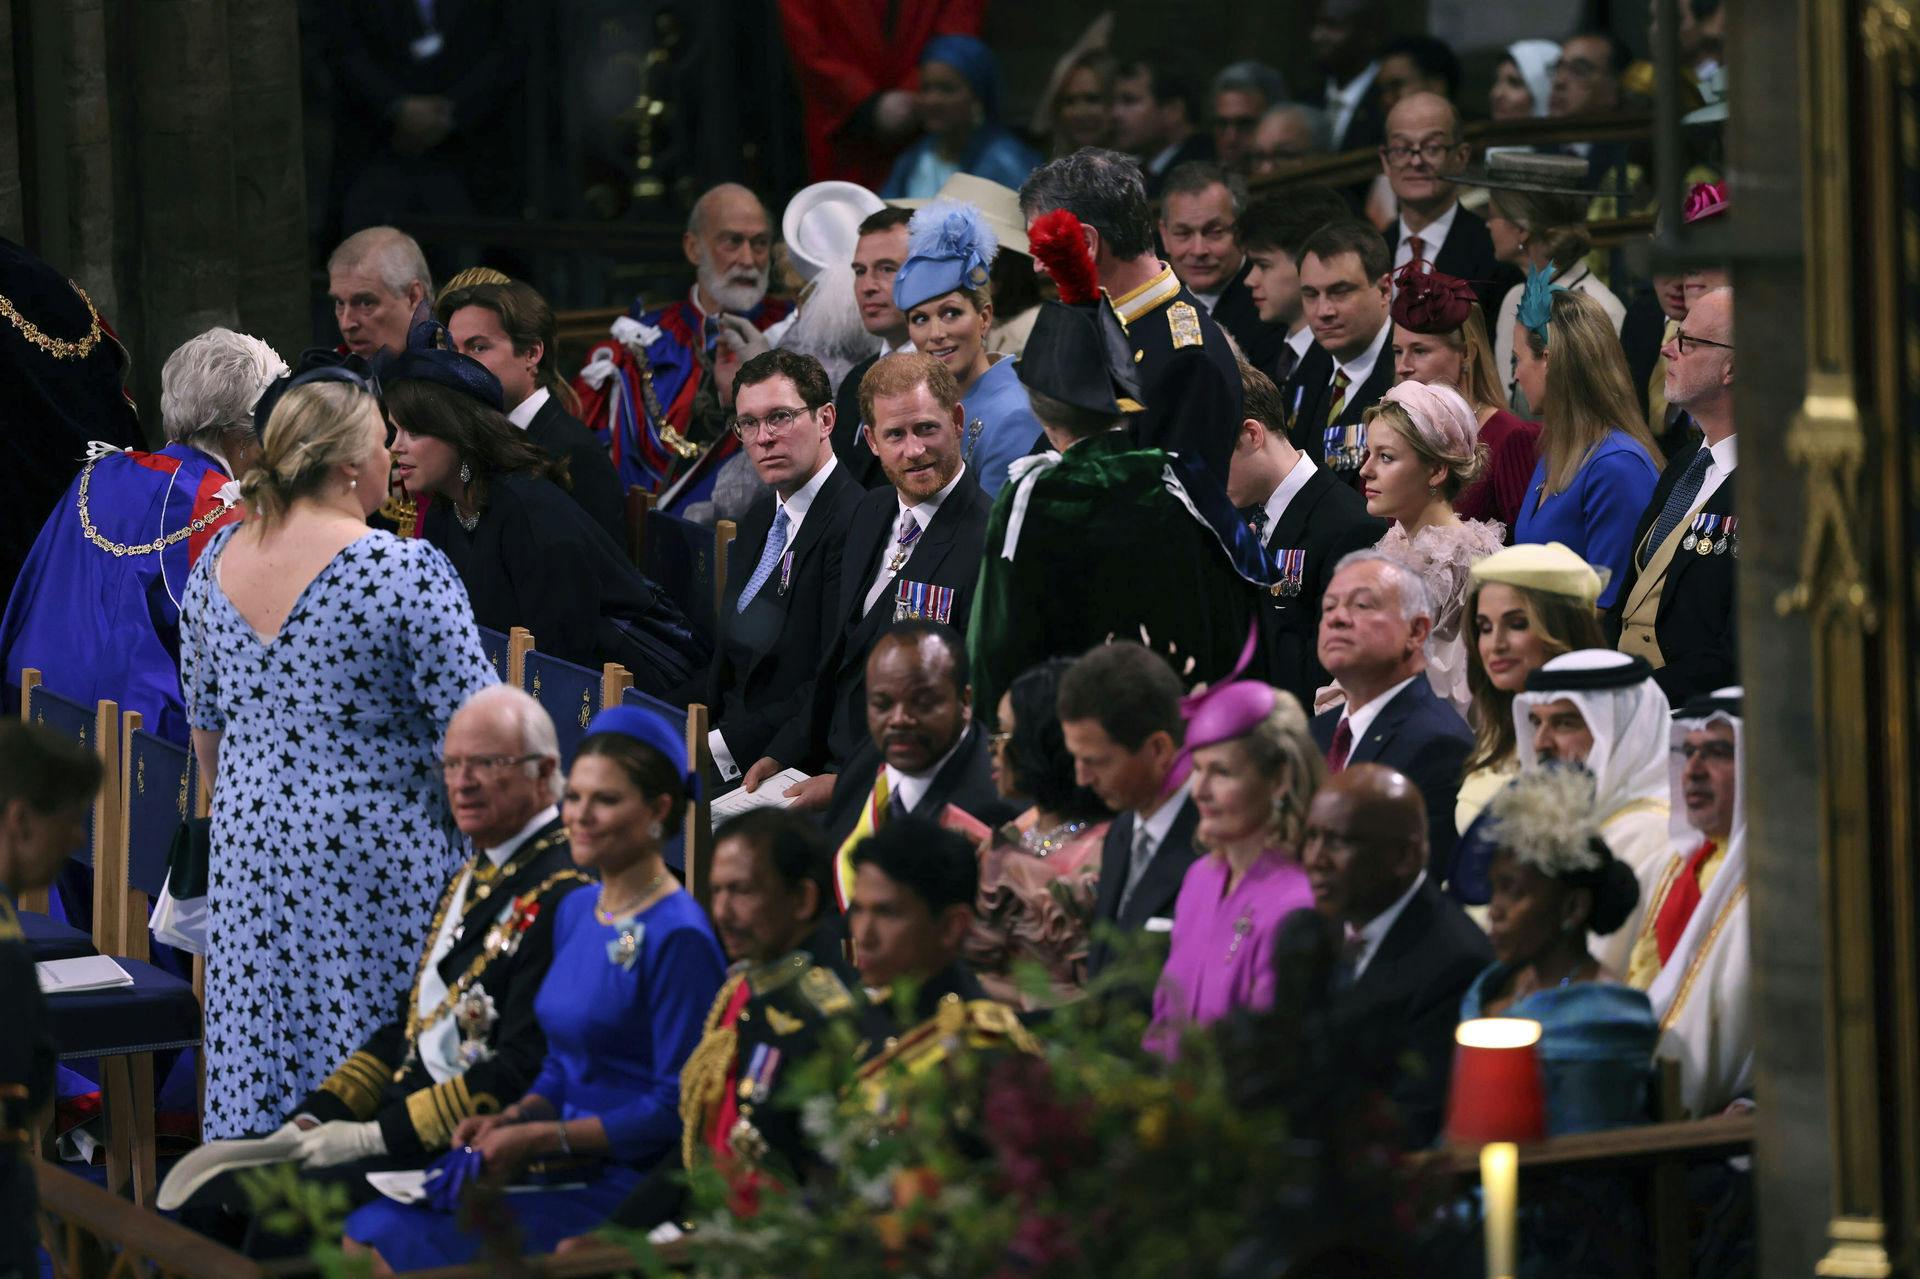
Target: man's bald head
1422, 111
717, 202
1365, 842
1422, 151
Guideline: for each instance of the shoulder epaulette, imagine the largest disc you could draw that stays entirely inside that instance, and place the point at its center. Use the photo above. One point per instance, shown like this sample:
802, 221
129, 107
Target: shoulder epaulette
766, 978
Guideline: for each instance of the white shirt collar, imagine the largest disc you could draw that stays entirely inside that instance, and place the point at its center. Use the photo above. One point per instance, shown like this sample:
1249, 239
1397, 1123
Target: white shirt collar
1348, 95
509, 846
887, 348
1287, 490
1208, 300
1300, 340
1360, 718
526, 410
1432, 236
924, 511
1726, 454
1160, 821
1362, 369
1163, 158
1375, 930
912, 787
796, 506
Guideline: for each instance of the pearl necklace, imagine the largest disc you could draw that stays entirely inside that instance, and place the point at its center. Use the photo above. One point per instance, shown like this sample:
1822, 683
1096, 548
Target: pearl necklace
606, 916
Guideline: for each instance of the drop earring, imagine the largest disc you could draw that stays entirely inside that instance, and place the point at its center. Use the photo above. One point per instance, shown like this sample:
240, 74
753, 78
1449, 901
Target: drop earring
352, 485
466, 473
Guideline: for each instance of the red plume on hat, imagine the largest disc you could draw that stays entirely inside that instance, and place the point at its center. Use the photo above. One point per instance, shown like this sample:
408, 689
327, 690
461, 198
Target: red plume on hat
1429, 302
1706, 200
1059, 245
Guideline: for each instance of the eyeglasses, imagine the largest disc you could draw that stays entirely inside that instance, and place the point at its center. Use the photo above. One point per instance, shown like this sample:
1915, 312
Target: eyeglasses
1721, 752
483, 765
776, 423
362, 381
997, 742
1431, 152
1683, 340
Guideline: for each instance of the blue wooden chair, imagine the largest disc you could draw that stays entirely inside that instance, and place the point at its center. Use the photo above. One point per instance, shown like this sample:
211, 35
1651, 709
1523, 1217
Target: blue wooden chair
47, 937
690, 852
570, 694
688, 561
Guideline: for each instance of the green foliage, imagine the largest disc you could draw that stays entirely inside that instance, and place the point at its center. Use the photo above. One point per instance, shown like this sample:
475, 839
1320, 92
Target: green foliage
285, 1204
1094, 1158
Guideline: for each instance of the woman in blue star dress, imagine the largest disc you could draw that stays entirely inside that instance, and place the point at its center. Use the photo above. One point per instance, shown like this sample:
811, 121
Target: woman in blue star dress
635, 971
321, 662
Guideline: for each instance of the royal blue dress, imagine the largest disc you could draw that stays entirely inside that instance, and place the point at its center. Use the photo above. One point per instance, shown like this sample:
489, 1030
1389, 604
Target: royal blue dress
1596, 1048
1596, 514
616, 1040
1000, 424
331, 839
993, 153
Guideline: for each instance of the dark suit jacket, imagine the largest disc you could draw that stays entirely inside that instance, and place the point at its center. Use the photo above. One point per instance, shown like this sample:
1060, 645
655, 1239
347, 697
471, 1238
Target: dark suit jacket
1236, 313
1467, 254
1191, 393
965, 781
1309, 393
1695, 621
596, 485
1411, 991
860, 461
1326, 519
766, 659
1423, 737
1197, 146
947, 555
1641, 334
1158, 887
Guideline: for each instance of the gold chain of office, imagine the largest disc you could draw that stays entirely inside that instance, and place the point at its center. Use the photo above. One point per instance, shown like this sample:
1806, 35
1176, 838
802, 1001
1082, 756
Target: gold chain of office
58, 348
145, 548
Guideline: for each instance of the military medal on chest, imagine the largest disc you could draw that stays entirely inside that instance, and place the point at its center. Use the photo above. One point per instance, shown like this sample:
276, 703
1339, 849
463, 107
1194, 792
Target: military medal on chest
1292, 564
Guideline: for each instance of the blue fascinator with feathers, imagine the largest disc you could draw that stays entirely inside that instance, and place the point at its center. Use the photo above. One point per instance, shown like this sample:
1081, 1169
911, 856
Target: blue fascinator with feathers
949, 246
1536, 301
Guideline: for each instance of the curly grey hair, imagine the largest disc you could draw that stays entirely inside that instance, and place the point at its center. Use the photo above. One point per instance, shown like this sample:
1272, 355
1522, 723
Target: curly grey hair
211, 383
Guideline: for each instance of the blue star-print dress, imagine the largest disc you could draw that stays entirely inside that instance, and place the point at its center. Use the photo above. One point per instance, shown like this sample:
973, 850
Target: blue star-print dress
331, 838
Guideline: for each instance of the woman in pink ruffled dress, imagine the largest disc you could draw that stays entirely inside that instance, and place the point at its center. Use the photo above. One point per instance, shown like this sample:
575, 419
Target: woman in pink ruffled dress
1039, 873
1422, 449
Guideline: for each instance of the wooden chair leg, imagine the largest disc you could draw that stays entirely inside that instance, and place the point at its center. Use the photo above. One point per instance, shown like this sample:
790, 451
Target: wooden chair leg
116, 1089
145, 1157
1667, 1220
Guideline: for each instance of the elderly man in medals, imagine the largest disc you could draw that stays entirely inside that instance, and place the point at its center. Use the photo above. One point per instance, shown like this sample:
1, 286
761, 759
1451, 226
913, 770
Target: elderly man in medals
1099, 537
1690, 952
464, 1040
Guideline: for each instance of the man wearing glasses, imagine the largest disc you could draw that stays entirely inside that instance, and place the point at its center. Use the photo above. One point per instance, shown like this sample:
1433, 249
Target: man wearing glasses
464, 1038
783, 573
1676, 606
1422, 153
1200, 211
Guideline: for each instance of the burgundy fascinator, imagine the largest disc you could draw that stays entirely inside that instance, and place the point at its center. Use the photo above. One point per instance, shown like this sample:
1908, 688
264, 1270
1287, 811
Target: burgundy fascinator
1429, 302
1706, 200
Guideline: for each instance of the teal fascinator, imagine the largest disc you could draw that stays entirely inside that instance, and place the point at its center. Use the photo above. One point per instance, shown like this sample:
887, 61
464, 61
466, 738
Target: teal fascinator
1536, 301
949, 246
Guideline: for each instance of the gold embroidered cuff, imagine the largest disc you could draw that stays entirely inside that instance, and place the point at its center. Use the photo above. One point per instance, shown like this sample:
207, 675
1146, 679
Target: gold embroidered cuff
358, 1083
435, 1112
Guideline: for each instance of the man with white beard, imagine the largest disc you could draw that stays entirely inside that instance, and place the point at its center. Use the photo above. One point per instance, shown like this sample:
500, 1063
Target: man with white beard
676, 363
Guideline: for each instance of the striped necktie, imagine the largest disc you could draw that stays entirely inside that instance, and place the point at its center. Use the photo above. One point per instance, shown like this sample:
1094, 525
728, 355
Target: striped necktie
1340, 384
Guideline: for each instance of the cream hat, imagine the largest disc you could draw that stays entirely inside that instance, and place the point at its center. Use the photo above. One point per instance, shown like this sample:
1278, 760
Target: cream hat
1552, 568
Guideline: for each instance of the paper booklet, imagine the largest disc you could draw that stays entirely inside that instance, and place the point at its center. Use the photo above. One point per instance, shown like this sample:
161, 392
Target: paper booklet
199, 1166
772, 794
88, 972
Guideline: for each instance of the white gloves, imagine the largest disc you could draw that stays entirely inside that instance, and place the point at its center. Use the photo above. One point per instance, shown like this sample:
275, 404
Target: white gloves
341, 1141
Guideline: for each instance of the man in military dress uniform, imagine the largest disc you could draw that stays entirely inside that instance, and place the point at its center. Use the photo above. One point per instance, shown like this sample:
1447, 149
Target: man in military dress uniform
1189, 387
45, 785
465, 1041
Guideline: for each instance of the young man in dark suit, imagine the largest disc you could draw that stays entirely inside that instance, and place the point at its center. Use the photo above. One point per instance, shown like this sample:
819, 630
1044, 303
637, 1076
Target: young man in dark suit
1374, 621
1307, 520
1158, 113
1676, 605
1422, 151
1346, 36
1120, 714
777, 621
1412, 952
912, 552
1344, 291
877, 257
922, 750
510, 329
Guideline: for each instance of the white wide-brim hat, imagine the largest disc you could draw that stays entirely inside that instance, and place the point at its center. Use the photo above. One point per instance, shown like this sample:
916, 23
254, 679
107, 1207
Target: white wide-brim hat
822, 224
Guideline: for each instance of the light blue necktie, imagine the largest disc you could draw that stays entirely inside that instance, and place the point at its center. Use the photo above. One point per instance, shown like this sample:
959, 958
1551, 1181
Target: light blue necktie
776, 545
